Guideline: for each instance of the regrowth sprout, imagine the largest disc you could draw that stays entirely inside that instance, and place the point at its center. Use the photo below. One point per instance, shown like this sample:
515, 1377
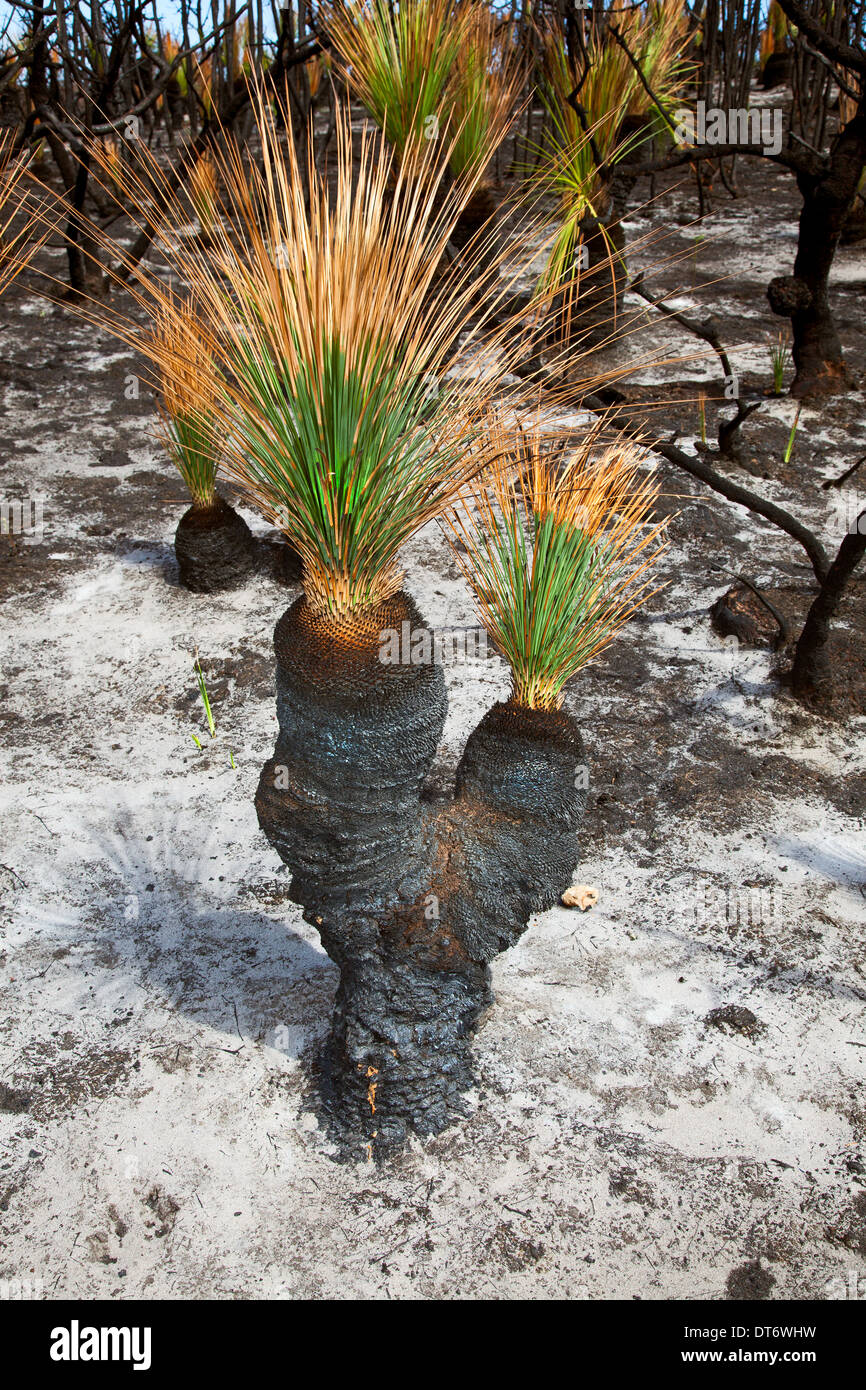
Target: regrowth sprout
556, 552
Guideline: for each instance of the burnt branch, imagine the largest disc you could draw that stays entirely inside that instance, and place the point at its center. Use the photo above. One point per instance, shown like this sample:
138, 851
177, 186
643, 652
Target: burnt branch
688, 155
726, 487
837, 50
707, 330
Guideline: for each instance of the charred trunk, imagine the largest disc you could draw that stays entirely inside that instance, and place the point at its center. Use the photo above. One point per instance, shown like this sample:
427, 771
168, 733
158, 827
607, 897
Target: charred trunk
411, 901
588, 313
777, 71
804, 296
341, 803
215, 548
812, 673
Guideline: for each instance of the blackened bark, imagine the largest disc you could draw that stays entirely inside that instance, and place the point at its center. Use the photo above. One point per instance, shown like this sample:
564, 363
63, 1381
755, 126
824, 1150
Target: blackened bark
776, 72
215, 548
588, 313
509, 840
341, 803
76, 229
804, 297
812, 675
476, 238
411, 901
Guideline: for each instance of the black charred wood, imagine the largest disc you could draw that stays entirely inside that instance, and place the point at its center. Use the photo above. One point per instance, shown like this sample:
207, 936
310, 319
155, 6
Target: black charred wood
215, 548
411, 900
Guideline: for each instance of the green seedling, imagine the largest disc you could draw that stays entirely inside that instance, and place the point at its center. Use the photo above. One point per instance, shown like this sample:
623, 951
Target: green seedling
789, 447
780, 358
202, 690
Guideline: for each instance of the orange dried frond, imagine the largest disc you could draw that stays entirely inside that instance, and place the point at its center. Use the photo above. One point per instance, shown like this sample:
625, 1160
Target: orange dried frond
556, 551
23, 228
204, 190
181, 347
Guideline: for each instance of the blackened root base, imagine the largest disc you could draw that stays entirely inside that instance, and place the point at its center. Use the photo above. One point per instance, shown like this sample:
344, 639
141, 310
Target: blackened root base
412, 900
398, 1059
215, 548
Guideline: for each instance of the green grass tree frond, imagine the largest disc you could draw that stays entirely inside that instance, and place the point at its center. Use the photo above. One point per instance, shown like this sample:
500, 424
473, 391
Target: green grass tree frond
484, 88
427, 68
332, 326
189, 391
399, 60
555, 551
340, 425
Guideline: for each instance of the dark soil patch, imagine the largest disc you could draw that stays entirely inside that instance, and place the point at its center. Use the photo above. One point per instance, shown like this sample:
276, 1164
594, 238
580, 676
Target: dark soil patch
736, 1018
850, 1231
58, 1078
750, 1282
13, 1100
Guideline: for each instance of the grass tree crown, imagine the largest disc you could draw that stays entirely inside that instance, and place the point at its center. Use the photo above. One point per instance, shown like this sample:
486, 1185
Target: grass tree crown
335, 338
431, 68
556, 552
598, 110
399, 60
190, 390
325, 325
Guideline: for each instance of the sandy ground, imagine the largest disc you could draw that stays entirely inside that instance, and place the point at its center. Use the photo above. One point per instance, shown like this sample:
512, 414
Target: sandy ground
161, 997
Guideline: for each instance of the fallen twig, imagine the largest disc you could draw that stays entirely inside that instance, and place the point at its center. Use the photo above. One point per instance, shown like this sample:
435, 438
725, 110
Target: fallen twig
843, 477
770, 607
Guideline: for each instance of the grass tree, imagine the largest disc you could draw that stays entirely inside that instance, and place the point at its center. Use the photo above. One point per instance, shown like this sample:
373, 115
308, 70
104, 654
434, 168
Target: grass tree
774, 58
605, 93
429, 70
351, 397
484, 89
343, 426
215, 548
334, 430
